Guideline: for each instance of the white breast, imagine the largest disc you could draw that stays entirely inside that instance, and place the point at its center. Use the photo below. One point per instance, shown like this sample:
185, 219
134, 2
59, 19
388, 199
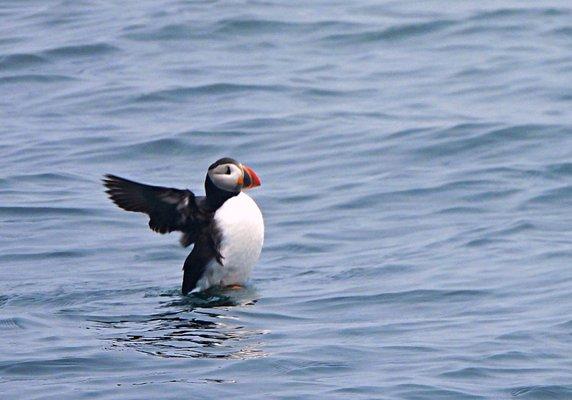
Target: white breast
240, 222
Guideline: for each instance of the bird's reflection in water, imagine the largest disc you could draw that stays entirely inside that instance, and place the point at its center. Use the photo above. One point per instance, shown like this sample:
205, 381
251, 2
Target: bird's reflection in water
194, 326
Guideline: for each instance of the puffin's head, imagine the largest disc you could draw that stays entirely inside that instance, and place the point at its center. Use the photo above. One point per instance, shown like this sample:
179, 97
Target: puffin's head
231, 176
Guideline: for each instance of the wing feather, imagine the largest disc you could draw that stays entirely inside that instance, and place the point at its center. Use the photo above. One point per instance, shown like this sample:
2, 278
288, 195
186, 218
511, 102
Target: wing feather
168, 209
207, 249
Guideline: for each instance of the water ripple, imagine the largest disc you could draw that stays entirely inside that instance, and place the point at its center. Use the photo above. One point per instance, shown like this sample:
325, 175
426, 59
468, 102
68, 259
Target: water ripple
95, 49
17, 61
394, 33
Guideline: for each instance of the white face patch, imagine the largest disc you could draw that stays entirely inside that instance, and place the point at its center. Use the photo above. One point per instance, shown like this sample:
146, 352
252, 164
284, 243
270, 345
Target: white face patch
227, 177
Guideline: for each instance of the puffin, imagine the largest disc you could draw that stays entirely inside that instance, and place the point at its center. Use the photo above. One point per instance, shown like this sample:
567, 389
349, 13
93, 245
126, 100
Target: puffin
225, 225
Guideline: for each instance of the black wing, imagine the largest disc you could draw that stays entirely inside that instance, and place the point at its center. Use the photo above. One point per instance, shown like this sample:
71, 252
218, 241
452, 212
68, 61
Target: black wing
206, 250
168, 209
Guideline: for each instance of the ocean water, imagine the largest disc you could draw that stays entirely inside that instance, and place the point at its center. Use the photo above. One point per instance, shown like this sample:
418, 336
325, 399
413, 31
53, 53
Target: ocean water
416, 160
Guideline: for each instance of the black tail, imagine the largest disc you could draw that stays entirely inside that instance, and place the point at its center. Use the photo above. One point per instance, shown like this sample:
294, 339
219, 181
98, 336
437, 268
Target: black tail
194, 267
204, 252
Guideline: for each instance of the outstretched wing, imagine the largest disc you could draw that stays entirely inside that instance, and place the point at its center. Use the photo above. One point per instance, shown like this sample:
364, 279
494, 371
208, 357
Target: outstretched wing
168, 209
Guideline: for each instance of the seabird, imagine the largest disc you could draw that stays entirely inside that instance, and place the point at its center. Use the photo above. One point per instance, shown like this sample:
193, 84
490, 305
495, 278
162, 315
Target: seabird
225, 225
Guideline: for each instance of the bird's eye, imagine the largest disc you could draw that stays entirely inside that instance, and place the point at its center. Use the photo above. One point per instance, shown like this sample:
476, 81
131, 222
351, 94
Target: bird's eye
228, 170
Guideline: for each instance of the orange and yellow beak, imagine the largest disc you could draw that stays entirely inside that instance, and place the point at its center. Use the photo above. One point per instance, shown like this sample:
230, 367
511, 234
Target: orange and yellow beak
249, 178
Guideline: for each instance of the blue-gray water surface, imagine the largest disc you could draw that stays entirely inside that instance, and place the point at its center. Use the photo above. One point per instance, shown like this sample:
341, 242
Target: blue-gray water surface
416, 160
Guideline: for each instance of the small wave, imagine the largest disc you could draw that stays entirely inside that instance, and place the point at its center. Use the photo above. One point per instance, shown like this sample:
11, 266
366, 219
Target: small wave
46, 211
303, 248
463, 139
165, 146
230, 26
257, 26
368, 272
483, 242
510, 356
566, 32
168, 32
42, 255
18, 323
565, 325
96, 49
35, 78
184, 93
548, 392
466, 373
17, 61
516, 336
560, 196
410, 296
394, 33
316, 92
503, 234
459, 187
416, 391
488, 372
62, 299
43, 178
503, 13
50, 366
261, 26
461, 210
